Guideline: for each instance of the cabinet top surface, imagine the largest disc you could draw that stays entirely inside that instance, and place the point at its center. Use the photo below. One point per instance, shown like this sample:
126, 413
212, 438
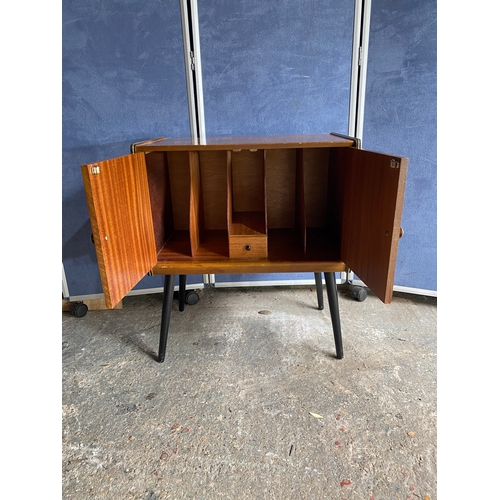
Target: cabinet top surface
256, 142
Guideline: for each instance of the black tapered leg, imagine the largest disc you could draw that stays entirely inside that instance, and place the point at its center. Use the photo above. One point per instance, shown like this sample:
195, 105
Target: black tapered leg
182, 291
168, 298
319, 290
333, 301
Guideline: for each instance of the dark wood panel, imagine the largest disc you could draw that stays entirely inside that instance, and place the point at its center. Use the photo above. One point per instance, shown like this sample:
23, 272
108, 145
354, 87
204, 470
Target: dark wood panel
160, 197
280, 188
247, 171
213, 168
335, 200
178, 169
315, 186
373, 204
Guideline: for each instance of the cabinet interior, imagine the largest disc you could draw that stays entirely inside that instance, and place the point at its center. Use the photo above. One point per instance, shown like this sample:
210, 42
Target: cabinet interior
272, 204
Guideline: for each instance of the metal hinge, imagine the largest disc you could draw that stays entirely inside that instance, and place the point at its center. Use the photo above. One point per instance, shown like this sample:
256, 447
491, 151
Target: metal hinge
95, 170
191, 54
356, 140
360, 56
394, 163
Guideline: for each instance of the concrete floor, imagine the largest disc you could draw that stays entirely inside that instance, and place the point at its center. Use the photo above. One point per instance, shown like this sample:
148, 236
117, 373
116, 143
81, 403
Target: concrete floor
251, 402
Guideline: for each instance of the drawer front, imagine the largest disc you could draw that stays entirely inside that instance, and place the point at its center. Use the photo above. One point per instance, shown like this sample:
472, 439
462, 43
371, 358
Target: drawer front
248, 247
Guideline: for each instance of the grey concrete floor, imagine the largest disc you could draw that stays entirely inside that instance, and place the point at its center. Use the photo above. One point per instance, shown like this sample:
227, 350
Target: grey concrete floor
251, 402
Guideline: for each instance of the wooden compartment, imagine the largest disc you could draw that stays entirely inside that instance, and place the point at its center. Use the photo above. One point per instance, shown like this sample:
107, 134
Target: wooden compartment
247, 222
188, 198
300, 188
246, 205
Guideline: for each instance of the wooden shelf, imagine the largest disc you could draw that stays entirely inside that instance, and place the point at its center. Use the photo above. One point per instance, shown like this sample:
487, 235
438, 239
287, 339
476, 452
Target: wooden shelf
248, 224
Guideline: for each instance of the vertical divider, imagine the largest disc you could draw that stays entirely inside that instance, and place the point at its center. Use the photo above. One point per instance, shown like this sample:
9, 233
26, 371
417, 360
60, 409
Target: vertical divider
196, 223
300, 203
264, 156
169, 211
229, 177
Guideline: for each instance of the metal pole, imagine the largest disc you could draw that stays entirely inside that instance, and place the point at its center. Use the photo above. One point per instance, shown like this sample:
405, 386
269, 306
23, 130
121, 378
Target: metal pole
192, 61
360, 42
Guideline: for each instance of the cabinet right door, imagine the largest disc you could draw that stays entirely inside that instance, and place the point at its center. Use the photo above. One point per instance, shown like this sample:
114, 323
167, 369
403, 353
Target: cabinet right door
373, 195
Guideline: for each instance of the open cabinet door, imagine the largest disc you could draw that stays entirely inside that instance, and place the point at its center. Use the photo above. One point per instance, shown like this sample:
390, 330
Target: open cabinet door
371, 222
122, 226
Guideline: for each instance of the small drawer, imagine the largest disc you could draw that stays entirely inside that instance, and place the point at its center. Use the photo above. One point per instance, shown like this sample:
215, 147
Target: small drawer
248, 247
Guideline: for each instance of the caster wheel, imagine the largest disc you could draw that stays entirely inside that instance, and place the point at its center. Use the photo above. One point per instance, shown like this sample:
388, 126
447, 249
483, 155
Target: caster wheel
359, 293
78, 309
192, 298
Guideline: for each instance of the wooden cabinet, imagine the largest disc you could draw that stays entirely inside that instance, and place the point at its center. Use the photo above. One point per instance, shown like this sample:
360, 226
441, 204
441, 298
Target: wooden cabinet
312, 203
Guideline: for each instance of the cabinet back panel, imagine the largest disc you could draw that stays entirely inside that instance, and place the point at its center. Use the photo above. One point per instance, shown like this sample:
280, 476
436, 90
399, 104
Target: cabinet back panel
316, 186
159, 194
336, 188
248, 181
178, 169
213, 167
280, 187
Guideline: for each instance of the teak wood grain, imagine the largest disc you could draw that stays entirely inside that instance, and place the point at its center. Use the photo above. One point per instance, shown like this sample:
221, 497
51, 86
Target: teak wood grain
196, 222
280, 188
213, 169
373, 204
122, 224
246, 142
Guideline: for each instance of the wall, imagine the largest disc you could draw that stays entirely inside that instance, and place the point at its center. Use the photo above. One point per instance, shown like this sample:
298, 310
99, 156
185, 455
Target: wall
280, 67
276, 67
268, 68
123, 81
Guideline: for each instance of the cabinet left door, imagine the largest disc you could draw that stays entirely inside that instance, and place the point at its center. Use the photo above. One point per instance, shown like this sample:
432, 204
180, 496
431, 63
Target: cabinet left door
122, 225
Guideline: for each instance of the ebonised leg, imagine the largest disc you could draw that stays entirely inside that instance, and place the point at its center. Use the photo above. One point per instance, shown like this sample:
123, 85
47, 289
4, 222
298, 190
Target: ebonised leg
319, 290
182, 291
333, 301
168, 298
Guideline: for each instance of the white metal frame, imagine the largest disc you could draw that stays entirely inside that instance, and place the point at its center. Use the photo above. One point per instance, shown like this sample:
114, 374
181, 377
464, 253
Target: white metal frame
192, 62
189, 73
360, 42
144, 291
65, 289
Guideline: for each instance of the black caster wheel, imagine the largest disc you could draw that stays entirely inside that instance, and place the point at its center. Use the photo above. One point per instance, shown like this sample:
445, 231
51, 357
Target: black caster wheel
192, 298
78, 309
358, 293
